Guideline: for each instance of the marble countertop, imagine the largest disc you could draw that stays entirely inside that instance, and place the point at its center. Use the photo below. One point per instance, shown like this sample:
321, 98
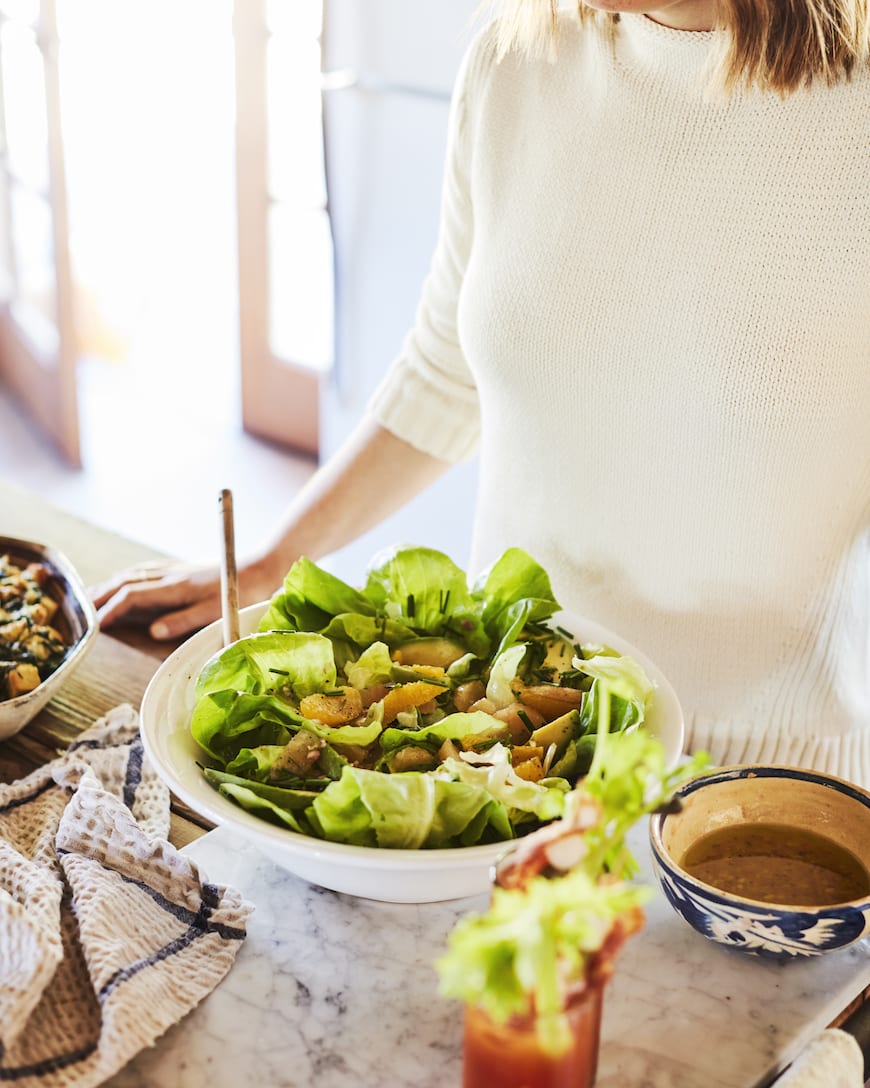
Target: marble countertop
341, 992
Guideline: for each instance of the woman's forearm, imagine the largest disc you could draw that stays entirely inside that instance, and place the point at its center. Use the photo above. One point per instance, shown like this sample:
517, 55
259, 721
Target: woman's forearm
371, 476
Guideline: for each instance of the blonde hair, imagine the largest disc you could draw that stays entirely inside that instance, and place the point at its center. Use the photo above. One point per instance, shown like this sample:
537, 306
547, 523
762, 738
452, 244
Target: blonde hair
777, 45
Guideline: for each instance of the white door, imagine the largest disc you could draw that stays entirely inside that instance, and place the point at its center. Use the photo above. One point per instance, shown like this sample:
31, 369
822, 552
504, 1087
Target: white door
37, 341
284, 241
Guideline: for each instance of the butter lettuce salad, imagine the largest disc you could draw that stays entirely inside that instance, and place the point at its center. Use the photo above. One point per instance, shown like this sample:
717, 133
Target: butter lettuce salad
418, 711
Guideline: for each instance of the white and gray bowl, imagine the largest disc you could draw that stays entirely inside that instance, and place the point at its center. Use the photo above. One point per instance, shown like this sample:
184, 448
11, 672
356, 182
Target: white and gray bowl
75, 619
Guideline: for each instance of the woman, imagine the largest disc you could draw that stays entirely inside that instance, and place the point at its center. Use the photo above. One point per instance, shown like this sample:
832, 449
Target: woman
649, 309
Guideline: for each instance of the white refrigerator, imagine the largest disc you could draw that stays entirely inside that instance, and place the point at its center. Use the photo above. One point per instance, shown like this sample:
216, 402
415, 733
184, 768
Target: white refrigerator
389, 67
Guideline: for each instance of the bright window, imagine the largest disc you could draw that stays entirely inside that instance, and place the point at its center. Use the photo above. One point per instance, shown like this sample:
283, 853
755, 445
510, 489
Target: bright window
300, 242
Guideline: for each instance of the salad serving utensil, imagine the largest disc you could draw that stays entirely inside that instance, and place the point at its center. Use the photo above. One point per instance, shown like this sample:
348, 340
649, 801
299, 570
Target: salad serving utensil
229, 574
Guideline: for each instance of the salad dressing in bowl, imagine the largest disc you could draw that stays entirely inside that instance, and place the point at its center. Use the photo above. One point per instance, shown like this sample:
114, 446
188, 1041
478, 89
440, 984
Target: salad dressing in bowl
775, 863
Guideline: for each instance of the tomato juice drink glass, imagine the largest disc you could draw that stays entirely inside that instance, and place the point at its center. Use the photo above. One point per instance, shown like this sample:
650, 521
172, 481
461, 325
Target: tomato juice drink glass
512, 1055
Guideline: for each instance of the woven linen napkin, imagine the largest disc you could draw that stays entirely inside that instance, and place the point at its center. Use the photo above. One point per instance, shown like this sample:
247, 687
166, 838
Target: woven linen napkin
108, 935
832, 1060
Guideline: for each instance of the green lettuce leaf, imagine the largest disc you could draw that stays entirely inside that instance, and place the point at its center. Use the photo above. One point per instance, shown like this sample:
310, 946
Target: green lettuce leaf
622, 713
625, 677
373, 666
425, 590
452, 727
263, 663
309, 598
290, 799
407, 811
493, 773
224, 722
514, 591
362, 631
503, 671
248, 796
255, 763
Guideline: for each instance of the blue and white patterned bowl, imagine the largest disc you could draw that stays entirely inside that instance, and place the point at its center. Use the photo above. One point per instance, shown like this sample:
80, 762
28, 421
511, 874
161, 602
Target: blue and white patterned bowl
772, 795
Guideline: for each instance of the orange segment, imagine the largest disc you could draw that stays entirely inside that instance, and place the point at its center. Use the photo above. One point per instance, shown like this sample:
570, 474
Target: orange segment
408, 696
337, 709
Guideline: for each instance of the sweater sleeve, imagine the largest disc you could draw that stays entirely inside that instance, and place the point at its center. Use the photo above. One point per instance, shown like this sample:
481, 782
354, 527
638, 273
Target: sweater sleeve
428, 396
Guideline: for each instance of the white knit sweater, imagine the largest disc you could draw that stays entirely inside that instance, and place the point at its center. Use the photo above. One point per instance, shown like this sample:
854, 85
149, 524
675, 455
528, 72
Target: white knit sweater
650, 307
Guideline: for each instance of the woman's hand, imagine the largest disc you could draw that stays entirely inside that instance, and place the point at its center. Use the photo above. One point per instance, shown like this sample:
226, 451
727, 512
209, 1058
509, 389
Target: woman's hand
176, 598
353, 492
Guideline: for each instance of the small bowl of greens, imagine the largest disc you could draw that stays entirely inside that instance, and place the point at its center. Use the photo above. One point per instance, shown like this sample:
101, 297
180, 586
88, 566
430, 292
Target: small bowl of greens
388, 741
47, 628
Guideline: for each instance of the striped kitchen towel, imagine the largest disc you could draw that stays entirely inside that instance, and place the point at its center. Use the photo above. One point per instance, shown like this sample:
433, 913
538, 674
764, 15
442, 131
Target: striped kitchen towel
108, 935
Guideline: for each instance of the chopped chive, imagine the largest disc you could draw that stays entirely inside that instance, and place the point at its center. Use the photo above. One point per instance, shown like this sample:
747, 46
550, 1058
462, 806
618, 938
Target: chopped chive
338, 691
410, 605
280, 672
568, 635
443, 599
526, 720
544, 675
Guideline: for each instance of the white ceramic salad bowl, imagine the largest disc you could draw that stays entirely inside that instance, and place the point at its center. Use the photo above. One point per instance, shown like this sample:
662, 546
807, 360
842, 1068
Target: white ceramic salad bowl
398, 876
